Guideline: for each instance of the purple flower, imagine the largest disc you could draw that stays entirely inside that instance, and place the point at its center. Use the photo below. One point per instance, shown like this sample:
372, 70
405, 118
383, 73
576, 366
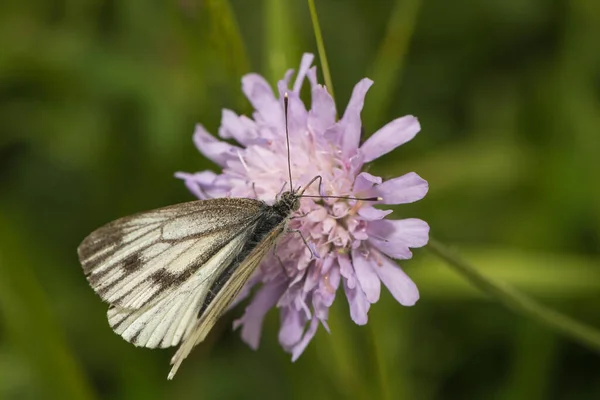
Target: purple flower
353, 240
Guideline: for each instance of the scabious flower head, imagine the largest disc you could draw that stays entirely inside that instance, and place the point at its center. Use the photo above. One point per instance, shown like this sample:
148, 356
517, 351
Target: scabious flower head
353, 240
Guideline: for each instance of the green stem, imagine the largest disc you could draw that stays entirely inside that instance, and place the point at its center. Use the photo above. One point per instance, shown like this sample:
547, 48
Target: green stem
517, 301
321, 47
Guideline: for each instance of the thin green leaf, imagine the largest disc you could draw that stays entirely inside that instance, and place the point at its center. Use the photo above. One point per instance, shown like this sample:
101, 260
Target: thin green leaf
321, 47
539, 273
517, 301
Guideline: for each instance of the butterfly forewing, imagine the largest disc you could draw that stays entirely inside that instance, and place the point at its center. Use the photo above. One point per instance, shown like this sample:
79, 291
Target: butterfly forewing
135, 260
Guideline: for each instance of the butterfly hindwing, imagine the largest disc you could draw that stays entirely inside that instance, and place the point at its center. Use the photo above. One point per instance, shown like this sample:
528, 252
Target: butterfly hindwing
212, 310
165, 321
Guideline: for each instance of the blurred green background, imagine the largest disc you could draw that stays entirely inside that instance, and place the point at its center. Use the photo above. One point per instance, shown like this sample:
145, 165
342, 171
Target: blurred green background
98, 101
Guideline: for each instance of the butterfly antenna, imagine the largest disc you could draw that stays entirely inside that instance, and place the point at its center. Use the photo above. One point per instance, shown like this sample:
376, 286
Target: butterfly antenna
374, 198
320, 179
287, 137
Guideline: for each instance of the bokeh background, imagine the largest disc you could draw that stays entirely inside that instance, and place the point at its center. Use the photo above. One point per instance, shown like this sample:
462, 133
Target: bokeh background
98, 100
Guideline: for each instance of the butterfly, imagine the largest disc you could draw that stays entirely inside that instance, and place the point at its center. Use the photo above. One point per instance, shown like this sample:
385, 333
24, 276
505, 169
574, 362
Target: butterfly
170, 273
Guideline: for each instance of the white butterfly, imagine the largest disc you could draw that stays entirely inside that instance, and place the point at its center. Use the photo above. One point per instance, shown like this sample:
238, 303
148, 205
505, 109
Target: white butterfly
169, 274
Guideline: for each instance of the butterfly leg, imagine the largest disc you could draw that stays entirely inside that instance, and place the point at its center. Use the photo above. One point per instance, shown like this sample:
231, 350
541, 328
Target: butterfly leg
281, 264
313, 250
279, 259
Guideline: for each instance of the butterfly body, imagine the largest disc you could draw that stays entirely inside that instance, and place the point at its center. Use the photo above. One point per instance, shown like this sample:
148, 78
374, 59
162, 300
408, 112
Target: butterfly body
169, 274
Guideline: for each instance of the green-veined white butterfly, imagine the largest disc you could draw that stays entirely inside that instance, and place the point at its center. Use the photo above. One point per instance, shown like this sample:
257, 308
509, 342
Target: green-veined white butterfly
169, 274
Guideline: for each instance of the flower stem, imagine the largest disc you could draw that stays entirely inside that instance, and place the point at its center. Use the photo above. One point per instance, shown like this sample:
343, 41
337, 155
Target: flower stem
517, 301
321, 47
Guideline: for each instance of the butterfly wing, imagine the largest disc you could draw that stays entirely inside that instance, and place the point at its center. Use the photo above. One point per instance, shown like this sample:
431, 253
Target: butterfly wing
155, 268
212, 310
162, 323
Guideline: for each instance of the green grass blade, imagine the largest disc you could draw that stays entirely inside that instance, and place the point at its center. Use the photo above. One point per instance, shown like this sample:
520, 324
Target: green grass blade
321, 47
517, 301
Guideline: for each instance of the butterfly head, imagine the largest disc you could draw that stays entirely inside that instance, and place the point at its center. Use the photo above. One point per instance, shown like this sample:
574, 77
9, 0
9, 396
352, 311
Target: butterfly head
288, 202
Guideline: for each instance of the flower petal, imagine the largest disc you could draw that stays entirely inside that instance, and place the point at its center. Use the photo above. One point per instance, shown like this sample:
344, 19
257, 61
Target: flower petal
347, 271
298, 349
359, 305
369, 213
240, 128
326, 292
192, 182
395, 237
333, 134
357, 227
322, 113
364, 182
407, 188
311, 279
398, 283
285, 82
307, 59
351, 120
312, 76
296, 112
213, 149
259, 93
368, 279
205, 184
318, 215
392, 135
392, 250
264, 299
292, 327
